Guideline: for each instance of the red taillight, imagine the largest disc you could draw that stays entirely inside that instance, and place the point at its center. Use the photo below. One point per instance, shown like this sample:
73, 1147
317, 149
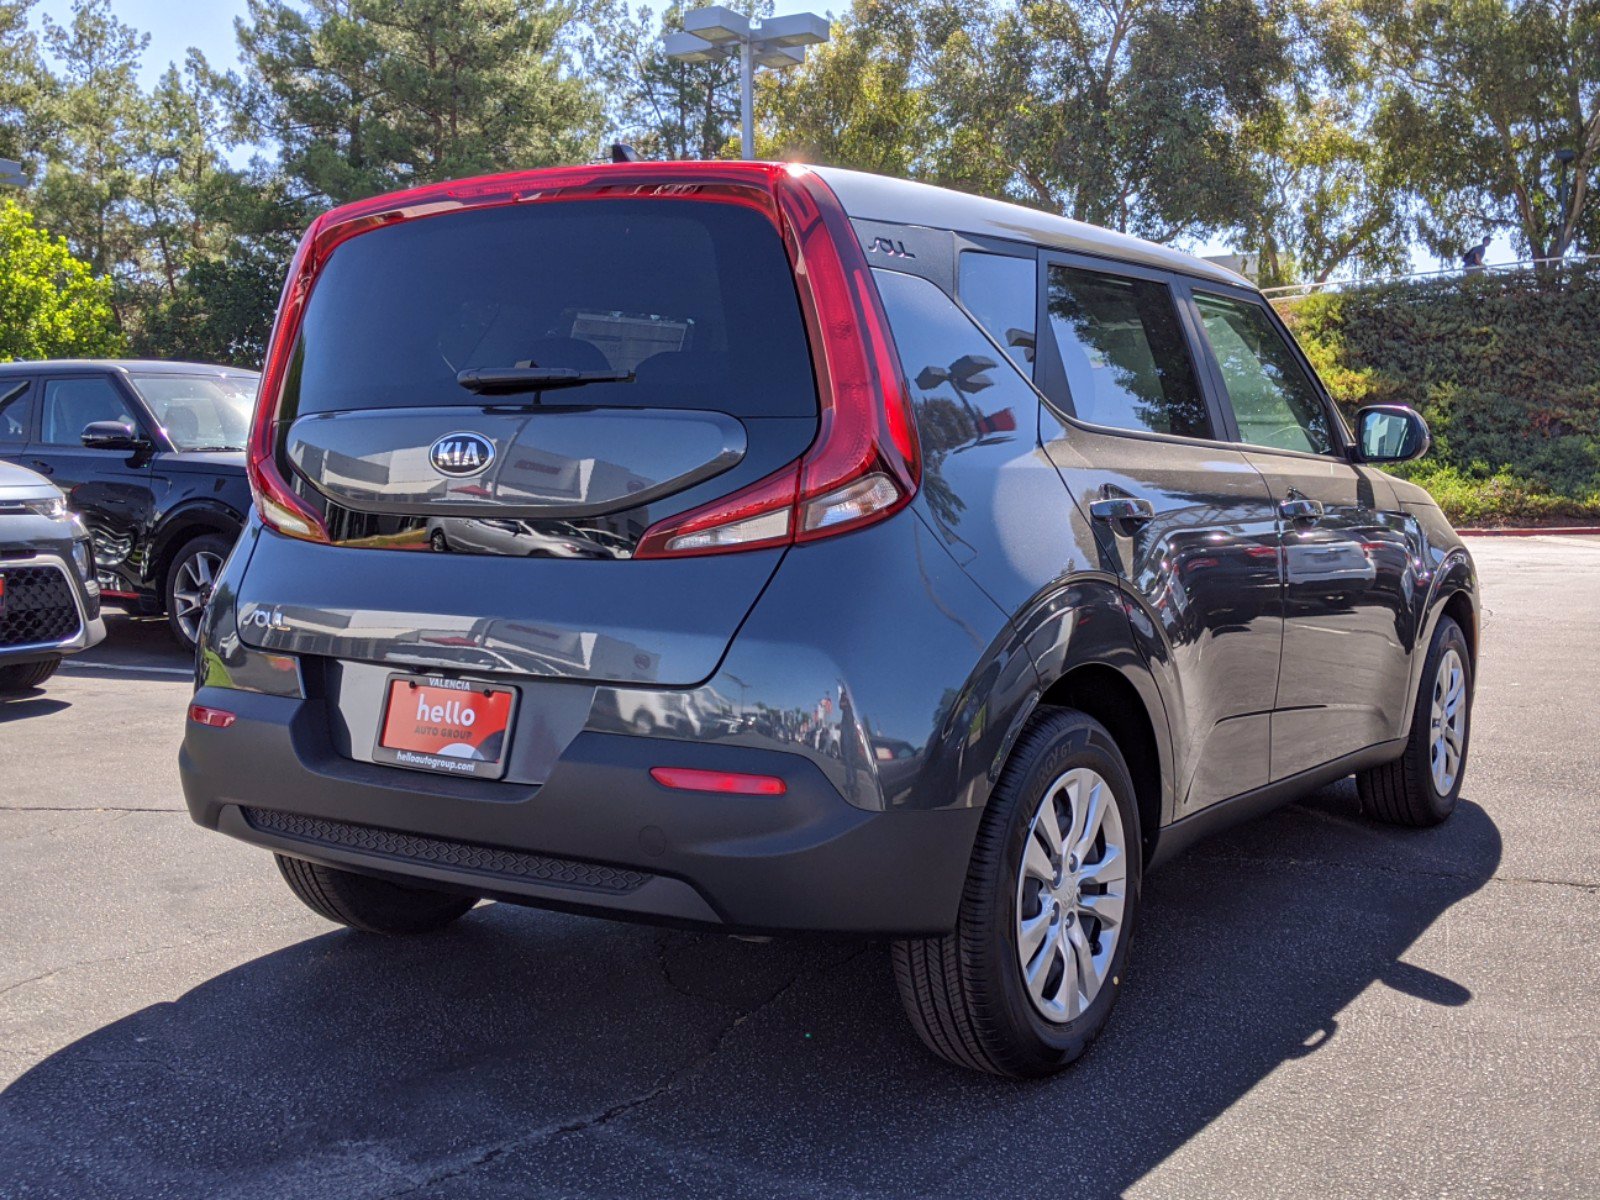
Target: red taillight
865, 462
215, 718
686, 779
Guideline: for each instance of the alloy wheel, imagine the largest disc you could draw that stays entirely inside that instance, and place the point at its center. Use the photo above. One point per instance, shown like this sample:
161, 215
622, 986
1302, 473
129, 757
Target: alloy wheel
1071, 893
192, 588
1447, 729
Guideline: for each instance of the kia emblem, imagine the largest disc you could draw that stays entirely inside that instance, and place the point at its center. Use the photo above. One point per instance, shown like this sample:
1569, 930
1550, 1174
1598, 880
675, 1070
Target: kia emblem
461, 454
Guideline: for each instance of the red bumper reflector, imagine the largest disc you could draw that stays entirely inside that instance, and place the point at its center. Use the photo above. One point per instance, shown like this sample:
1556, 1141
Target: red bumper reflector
216, 718
687, 780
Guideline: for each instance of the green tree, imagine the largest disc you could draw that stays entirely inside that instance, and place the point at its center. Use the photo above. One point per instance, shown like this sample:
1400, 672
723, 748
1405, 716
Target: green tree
51, 304
1334, 197
24, 82
1079, 108
93, 120
860, 101
364, 96
1479, 95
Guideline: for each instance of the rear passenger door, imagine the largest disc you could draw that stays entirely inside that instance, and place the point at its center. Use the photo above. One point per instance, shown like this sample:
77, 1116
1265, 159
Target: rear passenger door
1345, 672
1181, 515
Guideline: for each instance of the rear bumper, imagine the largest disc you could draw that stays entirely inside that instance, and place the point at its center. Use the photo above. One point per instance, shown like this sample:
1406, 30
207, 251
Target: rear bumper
599, 836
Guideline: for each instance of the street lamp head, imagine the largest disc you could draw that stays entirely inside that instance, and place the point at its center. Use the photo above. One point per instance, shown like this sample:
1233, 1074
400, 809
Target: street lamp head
797, 29
717, 24
1565, 155
778, 57
692, 48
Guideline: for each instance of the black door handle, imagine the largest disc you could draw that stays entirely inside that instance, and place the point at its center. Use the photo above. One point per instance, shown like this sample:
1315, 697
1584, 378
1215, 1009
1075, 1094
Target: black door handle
43, 468
1122, 510
1300, 509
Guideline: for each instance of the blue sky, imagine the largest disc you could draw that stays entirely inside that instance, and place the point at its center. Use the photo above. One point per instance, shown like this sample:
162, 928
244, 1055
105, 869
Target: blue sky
208, 25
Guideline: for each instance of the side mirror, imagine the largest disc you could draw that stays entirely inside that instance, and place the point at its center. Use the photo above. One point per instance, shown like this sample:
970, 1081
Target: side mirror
1390, 433
112, 435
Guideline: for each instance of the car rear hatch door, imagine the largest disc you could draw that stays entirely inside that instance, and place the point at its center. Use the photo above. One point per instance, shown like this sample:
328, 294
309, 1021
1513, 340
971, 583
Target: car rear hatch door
484, 408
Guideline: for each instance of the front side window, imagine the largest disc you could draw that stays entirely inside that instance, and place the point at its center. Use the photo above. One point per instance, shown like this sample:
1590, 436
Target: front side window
1002, 292
1123, 349
200, 412
16, 406
1274, 401
71, 405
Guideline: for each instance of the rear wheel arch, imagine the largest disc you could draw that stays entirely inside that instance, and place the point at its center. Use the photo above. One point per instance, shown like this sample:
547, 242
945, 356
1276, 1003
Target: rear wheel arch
182, 530
1103, 692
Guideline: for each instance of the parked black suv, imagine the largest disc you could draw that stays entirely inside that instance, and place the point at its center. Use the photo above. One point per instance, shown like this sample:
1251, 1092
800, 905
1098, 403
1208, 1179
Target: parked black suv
768, 548
151, 455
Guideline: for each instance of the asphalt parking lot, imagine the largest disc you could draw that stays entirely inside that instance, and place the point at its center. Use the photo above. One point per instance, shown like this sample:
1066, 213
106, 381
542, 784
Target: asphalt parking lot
1317, 1005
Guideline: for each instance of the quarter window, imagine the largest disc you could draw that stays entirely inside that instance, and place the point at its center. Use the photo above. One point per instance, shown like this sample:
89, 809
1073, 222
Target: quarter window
1002, 292
1124, 353
1274, 402
16, 406
72, 404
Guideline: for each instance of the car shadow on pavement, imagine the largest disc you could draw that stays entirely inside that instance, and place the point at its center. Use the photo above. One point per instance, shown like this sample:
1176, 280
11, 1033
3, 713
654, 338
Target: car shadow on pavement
35, 702
530, 1053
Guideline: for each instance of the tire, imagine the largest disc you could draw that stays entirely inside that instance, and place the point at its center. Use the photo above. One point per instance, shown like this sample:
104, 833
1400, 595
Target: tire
1407, 791
368, 904
20, 677
197, 562
965, 992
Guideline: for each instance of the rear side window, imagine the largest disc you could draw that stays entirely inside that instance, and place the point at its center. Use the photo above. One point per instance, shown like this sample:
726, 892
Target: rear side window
71, 405
1003, 293
1274, 402
1124, 352
16, 407
696, 298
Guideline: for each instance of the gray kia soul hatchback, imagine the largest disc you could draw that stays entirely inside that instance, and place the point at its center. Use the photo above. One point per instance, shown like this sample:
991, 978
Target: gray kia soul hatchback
768, 548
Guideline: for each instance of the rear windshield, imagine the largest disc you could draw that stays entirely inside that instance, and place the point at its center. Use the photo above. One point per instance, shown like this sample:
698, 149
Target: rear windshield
696, 298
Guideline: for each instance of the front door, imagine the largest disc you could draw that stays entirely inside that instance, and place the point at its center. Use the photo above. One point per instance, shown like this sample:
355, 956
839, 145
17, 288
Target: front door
1181, 516
110, 489
1345, 669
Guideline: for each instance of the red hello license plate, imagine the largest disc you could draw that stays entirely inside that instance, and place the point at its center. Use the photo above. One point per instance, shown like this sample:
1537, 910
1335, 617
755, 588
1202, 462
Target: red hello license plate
453, 726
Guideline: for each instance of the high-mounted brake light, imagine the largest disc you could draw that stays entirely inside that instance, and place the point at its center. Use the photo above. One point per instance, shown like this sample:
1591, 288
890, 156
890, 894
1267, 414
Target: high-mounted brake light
865, 462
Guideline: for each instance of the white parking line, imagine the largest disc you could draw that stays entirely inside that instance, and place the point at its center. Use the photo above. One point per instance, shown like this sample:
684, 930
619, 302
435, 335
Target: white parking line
186, 672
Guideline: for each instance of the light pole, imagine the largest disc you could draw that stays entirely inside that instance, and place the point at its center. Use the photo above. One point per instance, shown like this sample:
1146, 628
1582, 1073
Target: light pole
716, 33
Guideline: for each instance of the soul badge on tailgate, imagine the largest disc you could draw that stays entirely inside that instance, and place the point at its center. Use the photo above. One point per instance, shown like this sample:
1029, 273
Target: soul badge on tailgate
454, 726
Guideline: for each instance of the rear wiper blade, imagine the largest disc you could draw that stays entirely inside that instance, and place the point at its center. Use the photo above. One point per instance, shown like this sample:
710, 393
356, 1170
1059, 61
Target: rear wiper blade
502, 381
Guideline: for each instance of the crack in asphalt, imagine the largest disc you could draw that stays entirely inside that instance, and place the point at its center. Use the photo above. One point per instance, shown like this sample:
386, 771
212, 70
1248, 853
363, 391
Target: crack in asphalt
1391, 869
87, 808
78, 964
606, 1115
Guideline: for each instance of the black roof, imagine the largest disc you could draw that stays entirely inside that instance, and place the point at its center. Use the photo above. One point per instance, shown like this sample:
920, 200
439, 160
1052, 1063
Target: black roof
52, 366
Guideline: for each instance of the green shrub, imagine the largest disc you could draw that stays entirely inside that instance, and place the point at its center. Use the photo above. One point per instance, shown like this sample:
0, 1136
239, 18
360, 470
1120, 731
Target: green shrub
1506, 369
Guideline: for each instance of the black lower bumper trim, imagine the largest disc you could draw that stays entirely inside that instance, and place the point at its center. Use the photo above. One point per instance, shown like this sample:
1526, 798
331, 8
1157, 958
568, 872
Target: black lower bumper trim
443, 852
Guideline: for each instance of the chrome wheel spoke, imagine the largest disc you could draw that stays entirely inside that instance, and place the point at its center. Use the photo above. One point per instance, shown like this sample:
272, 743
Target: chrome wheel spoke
1111, 869
1086, 827
1036, 862
1106, 908
1031, 933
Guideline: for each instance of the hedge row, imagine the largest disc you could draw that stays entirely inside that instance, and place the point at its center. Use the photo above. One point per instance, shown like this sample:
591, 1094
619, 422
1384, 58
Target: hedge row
1506, 369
